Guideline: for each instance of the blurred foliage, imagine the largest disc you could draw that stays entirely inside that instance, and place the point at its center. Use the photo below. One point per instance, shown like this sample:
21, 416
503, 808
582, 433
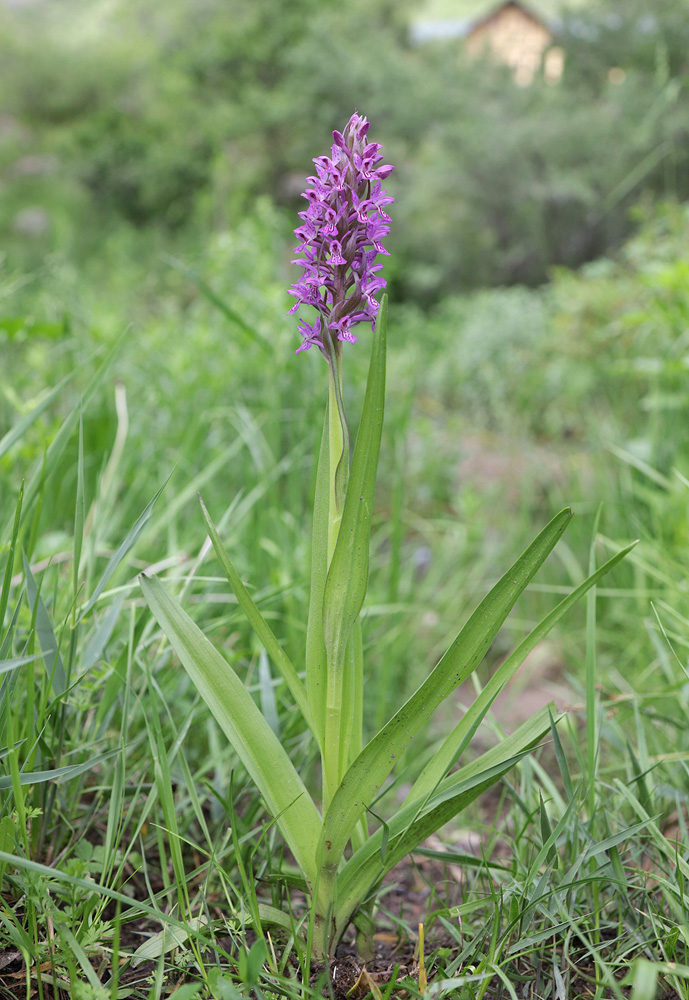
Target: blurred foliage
598, 354
579, 387
637, 37
180, 116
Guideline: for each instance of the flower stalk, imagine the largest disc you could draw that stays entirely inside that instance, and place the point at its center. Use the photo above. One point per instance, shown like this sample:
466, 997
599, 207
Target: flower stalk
338, 451
340, 238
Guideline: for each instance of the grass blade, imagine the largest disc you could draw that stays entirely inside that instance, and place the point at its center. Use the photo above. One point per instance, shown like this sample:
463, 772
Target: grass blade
591, 700
45, 633
122, 550
219, 303
59, 774
16, 433
258, 622
7, 578
57, 446
19, 661
79, 512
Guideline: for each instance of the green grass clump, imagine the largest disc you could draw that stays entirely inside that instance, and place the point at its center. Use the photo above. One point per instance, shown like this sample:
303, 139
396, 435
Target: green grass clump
135, 855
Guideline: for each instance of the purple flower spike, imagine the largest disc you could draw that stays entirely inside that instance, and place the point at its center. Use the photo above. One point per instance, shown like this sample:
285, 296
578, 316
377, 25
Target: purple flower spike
340, 237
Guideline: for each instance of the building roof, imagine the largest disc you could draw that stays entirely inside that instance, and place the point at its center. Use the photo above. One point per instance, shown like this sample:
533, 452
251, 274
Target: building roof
474, 10
429, 29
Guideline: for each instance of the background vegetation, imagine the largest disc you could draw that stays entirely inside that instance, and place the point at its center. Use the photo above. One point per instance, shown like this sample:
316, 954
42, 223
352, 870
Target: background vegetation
151, 159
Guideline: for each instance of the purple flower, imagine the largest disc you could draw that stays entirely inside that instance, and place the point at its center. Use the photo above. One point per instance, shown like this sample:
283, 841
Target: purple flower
340, 237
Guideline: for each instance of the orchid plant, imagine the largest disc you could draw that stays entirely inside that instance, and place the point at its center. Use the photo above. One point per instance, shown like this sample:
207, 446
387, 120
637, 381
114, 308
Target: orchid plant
342, 861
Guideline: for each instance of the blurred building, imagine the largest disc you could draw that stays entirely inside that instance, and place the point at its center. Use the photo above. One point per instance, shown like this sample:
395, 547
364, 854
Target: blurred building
512, 33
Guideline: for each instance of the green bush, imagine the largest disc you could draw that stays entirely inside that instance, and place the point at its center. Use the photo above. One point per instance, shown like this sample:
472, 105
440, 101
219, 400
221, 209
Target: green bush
181, 117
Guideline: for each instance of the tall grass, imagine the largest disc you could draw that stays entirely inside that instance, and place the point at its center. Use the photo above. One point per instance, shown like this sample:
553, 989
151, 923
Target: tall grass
115, 780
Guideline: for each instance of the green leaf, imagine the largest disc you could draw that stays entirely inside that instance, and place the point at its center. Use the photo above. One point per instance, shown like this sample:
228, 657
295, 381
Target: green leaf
252, 738
16, 433
78, 952
220, 303
353, 698
58, 774
345, 586
258, 622
31, 327
316, 671
9, 565
19, 661
8, 840
623, 836
8, 834
6, 644
450, 857
546, 833
549, 844
459, 738
122, 549
100, 636
46, 635
338, 452
250, 963
185, 992
269, 706
223, 988
644, 978
117, 681
526, 944
57, 446
418, 819
374, 763
562, 761
79, 511
165, 940
132, 906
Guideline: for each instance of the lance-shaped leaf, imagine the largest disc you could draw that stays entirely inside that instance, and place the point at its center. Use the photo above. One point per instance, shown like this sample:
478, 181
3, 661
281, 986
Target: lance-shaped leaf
252, 738
316, 672
374, 763
258, 622
459, 738
345, 587
421, 817
353, 697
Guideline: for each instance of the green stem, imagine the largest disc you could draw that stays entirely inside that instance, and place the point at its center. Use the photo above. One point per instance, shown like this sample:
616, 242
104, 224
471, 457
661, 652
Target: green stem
324, 933
591, 700
339, 452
